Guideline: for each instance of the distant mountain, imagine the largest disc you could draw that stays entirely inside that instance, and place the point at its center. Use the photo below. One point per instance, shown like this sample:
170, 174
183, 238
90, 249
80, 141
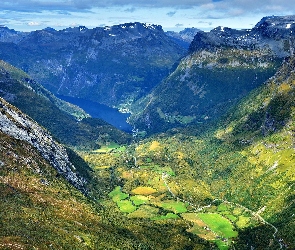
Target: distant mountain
222, 66
275, 34
112, 65
183, 37
68, 123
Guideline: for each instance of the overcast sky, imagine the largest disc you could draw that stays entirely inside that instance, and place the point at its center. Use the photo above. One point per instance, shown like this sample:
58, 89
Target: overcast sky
27, 15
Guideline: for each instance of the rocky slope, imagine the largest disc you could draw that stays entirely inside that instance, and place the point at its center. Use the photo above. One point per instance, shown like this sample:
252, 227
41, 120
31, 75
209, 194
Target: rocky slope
68, 123
223, 65
111, 65
19, 126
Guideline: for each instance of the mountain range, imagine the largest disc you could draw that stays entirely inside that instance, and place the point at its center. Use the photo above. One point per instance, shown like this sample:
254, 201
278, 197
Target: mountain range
110, 65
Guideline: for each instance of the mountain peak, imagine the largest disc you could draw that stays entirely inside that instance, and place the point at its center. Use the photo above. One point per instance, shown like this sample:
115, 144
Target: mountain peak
283, 22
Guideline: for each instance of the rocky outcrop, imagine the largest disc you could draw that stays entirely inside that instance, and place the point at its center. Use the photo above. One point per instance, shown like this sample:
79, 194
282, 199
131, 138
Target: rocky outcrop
274, 33
19, 126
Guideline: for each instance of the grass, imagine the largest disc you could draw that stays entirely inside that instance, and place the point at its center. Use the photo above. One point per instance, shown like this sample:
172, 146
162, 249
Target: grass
126, 206
218, 224
111, 147
243, 222
117, 194
139, 200
176, 207
144, 190
145, 211
166, 217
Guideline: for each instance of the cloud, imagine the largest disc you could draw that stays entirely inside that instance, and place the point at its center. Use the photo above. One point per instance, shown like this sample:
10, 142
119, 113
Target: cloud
34, 23
229, 7
171, 13
178, 25
203, 22
131, 10
79, 5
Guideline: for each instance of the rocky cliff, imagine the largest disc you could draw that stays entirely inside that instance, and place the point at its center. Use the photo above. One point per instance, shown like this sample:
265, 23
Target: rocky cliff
16, 124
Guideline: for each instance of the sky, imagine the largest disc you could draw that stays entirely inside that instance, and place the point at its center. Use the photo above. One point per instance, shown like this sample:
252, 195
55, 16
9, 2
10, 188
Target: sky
174, 15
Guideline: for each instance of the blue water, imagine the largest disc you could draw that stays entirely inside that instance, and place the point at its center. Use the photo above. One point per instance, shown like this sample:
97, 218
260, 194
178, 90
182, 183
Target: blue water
97, 110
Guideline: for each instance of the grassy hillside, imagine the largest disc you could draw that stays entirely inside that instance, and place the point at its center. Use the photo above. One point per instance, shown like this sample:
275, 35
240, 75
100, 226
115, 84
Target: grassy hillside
40, 210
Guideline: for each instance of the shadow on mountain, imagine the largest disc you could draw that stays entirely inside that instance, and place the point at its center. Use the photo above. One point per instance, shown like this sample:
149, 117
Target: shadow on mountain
266, 120
263, 237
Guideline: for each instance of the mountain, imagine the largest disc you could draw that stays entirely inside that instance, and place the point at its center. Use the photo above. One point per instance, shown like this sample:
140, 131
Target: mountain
68, 123
39, 208
111, 65
226, 184
20, 127
183, 37
222, 66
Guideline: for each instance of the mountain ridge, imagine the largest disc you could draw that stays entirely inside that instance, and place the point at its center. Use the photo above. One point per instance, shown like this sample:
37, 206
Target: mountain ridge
222, 66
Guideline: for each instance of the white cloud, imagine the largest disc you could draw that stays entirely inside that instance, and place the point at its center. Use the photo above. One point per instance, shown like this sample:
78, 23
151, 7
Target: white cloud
34, 23
203, 14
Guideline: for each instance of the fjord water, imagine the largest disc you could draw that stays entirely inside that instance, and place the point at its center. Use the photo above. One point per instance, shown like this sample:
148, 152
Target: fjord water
98, 110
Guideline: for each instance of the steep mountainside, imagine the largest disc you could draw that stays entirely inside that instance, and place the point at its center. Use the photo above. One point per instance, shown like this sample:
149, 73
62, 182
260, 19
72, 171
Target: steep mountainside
66, 122
19, 126
38, 207
112, 65
223, 65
